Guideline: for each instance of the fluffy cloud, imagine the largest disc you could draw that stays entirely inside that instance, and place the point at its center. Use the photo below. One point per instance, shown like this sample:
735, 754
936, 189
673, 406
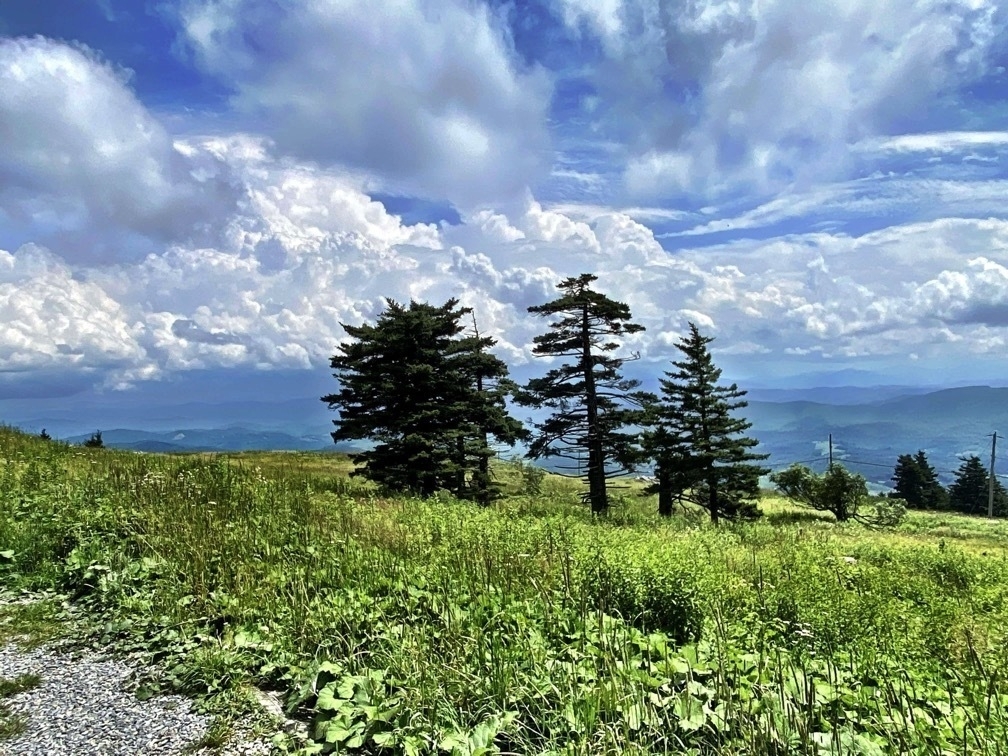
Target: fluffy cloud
427, 95
708, 96
50, 321
977, 295
82, 155
309, 249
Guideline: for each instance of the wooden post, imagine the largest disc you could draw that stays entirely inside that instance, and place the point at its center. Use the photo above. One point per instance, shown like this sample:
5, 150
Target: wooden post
990, 482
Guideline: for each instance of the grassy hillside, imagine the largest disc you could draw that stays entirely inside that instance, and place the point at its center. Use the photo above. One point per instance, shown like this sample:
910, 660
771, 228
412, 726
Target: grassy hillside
395, 625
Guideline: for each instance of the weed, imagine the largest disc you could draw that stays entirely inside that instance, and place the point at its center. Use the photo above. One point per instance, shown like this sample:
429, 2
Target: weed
216, 737
11, 725
12, 686
14, 724
30, 620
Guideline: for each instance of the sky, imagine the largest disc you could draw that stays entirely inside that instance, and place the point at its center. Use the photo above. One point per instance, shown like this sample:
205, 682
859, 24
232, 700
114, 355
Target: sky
197, 194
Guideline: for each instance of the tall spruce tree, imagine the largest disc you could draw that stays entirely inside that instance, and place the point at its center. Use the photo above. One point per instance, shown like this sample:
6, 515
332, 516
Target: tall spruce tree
592, 402
916, 482
483, 414
970, 490
699, 448
411, 386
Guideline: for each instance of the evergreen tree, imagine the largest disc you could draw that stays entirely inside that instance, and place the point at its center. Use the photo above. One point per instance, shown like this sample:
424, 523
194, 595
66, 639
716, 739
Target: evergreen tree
699, 448
916, 482
592, 402
483, 414
94, 441
45, 436
907, 481
970, 491
411, 386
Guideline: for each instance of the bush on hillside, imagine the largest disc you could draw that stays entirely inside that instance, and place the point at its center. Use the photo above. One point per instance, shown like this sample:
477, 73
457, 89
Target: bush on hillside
837, 490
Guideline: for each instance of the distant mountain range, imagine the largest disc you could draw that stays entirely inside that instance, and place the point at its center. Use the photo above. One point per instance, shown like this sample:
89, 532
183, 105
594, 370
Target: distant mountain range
870, 426
869, 436
217, 439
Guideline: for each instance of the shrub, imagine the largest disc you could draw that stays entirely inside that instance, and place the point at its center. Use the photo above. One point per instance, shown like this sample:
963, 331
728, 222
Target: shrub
837, 490
889, 511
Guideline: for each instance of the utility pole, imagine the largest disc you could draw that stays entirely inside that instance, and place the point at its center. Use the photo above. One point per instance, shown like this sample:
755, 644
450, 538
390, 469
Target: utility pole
990, 481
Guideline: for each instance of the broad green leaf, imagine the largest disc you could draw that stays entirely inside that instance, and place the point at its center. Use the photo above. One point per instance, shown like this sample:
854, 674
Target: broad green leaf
382, 738
346, 687
326, 701
633, 717
690, 712
337, 733
455, 740
355, 742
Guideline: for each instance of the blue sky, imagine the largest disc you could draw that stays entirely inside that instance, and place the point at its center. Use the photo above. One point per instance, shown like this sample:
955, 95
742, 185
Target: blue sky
209, 188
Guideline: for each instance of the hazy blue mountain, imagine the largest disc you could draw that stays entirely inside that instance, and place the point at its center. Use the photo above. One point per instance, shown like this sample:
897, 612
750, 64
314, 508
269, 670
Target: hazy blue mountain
868, 437
292, 416
871, 426
837, 394
202, 439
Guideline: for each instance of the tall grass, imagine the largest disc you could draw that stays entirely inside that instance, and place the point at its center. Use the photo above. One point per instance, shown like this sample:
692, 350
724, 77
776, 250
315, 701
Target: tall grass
399, 625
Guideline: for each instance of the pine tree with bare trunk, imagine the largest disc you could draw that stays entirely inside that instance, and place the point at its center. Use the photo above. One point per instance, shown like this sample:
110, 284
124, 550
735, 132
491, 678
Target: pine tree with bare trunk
592, 402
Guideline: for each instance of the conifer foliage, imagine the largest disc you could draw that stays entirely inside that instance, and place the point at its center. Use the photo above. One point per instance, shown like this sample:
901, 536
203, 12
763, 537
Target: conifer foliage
481, 413
592, 402
700, 451
916, 482
970, 491
428, 397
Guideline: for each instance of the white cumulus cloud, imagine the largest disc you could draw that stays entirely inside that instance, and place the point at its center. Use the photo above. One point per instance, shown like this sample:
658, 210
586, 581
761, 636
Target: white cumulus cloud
81, 154
430, 96
709, 96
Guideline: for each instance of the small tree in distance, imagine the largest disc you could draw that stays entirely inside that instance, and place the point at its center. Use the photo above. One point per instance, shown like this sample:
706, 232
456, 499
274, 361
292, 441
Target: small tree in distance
700, 449
591, 400
916, 482
45, 436
970, 491
838, 490
95, 441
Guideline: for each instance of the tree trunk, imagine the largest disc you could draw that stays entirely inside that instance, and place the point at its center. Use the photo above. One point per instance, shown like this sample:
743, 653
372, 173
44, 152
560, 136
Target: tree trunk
461, 471
482, 478
596, 455
665, 503
713, 504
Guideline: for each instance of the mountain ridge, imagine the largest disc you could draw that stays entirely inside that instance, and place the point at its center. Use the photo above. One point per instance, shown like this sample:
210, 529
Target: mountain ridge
868, 436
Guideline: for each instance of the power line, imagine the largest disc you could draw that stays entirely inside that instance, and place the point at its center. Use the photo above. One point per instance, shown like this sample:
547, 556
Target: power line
862, 462
866, 463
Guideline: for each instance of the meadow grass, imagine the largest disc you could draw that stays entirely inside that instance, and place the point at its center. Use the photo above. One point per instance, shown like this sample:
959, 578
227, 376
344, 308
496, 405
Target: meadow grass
397, 625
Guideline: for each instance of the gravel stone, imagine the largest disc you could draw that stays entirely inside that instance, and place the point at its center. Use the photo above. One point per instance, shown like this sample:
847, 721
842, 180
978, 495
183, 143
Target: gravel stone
85, 705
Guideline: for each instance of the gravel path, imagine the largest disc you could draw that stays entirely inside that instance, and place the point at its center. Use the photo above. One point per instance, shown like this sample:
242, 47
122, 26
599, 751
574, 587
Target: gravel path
86, 706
